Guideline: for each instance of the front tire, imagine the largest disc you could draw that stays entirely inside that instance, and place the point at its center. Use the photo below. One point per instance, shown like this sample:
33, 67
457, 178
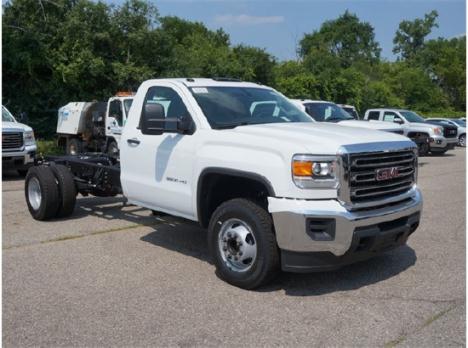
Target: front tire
243, 245
42, 194
113, 150
74, 146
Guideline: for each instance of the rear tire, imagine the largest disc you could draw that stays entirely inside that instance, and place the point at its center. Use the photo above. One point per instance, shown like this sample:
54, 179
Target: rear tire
462, 140
67, 190
42, 193
74, 146
239, 228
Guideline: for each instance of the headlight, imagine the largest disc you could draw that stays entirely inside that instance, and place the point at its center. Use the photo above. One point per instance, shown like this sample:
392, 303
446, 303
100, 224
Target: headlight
310, 171
438, 131
29, 138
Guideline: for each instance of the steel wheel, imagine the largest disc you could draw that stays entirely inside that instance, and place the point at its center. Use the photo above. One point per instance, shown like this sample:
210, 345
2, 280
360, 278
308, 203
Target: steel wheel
34, 193
237, 245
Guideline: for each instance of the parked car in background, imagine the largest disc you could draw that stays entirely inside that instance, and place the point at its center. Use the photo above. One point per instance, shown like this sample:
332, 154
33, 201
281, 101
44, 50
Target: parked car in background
350, 109
325, 111
93, 126
461, 127
430, 138
18, 144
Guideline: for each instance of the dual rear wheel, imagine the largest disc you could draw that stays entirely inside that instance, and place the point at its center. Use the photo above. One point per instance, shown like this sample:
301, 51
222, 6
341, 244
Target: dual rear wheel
50, 192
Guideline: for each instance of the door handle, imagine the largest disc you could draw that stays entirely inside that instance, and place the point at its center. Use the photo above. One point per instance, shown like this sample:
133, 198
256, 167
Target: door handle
133, 141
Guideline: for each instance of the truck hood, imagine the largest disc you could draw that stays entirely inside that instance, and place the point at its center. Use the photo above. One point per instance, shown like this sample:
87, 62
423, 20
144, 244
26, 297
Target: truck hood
377, 125
314, 138
11, 126
424, 125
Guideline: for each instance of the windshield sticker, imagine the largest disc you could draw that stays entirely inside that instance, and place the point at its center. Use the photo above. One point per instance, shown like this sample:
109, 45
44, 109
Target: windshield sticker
199, 90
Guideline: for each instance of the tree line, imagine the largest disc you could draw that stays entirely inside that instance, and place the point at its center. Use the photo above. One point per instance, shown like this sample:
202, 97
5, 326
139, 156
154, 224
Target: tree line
57, 51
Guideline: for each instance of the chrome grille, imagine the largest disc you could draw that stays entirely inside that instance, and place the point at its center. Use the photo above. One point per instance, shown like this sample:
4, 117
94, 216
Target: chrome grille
366, 185
12, 140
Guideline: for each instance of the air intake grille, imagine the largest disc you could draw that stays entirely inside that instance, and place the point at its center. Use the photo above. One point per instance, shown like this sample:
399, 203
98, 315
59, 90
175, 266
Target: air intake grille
12, 140
450, 132
378, 176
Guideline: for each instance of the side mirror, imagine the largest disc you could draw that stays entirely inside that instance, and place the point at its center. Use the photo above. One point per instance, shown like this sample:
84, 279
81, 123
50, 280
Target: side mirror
398, 120
154, 121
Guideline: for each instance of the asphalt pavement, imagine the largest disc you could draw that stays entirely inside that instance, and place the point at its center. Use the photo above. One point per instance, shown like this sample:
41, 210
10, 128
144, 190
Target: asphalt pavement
115, 275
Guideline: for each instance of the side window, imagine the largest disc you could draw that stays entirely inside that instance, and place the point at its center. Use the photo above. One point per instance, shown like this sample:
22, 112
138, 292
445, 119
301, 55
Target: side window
373, 115
168, 102
115, 111
392, 117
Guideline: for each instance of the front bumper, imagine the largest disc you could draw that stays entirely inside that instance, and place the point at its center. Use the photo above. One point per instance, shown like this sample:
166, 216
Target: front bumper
19, 159
441, 143
348, 235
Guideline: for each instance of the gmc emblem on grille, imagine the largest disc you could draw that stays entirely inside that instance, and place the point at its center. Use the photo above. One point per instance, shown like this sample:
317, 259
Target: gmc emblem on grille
386, 173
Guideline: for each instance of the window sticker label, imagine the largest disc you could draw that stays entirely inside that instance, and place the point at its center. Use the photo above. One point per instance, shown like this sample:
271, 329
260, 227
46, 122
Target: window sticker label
199, 90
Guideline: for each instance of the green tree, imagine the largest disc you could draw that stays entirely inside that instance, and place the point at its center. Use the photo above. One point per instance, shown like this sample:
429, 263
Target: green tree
344, 40
445, 62
410, 36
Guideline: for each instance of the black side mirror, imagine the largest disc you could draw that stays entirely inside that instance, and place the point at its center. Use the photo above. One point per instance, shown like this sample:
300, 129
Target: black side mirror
154, 121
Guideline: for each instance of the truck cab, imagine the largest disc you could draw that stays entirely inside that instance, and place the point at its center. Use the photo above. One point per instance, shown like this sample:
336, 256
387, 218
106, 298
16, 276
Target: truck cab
415, 127
115, 119
93, 126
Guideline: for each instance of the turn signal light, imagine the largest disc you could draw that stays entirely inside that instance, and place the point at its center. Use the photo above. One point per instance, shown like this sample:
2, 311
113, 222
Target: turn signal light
302, 168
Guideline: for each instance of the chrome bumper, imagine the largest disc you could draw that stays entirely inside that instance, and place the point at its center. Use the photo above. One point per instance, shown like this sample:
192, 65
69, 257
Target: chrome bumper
25, 155
290, 217
440, 142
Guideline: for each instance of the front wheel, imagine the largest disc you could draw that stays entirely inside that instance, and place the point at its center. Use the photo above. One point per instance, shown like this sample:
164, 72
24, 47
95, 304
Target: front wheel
423, 148
74, 146
462, 140
113, 150
243, 244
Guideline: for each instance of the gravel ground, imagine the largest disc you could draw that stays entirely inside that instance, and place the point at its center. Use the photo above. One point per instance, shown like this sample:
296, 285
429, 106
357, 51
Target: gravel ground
116, 275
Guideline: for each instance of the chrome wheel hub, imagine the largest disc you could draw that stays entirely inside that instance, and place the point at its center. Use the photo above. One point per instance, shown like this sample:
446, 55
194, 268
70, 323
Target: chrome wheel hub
237, 245
34, 193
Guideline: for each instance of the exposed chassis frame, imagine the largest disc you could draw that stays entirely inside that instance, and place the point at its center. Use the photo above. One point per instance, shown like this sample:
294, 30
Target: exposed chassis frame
93, 173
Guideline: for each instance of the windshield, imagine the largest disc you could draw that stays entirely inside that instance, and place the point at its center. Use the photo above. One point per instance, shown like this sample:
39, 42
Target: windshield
412, 116
351, 111
327, 112
461, 123
7, 116
127, 104
229, 107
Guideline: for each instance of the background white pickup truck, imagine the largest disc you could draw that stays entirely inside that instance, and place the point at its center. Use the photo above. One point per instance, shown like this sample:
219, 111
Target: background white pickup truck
415, 127
325, 111
275, 189
18, 144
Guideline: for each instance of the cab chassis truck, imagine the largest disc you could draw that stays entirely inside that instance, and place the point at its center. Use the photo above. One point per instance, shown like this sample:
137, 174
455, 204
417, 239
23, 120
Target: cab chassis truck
275, 190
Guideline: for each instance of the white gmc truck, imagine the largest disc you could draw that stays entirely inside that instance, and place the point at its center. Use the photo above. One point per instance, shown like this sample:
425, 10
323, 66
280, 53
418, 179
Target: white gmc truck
274, 189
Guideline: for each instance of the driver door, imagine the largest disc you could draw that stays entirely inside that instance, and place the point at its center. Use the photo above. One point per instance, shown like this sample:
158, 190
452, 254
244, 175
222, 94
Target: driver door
157, 168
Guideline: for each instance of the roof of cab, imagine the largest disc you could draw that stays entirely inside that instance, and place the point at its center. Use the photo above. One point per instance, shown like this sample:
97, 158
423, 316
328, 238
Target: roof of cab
210, 82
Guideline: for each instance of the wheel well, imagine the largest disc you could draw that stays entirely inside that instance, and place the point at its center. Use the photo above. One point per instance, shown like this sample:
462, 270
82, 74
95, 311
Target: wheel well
218, 186
418, 136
